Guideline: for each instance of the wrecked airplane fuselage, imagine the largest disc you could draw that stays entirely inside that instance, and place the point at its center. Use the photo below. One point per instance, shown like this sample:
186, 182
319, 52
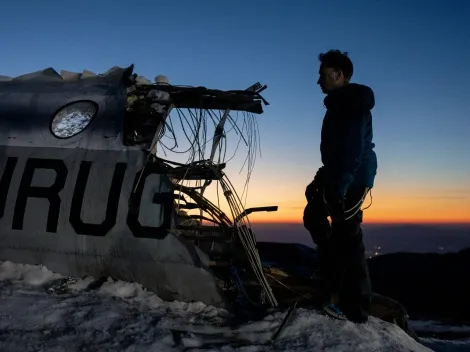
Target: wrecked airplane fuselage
77, 191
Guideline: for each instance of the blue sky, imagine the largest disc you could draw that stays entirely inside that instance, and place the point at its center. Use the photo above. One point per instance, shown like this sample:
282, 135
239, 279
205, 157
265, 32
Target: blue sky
414, 55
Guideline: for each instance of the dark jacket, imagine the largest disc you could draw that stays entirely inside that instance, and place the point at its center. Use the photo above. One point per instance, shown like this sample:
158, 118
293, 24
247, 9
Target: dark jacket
346, 139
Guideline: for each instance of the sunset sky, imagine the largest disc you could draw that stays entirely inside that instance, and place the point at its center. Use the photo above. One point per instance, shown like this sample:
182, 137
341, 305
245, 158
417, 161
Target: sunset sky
414, 55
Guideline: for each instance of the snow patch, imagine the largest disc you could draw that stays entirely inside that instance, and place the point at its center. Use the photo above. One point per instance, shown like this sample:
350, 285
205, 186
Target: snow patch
120, 289
447, 345
81, 284
437, 326
34, 275
134, 293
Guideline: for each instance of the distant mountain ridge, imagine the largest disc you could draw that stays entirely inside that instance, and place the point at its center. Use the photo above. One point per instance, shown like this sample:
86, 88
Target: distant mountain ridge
391, 238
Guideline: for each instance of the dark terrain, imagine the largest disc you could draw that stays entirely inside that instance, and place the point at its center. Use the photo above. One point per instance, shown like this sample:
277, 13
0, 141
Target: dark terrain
429, 285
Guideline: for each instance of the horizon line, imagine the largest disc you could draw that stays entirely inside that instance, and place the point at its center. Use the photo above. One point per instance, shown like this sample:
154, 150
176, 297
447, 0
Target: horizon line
404, 222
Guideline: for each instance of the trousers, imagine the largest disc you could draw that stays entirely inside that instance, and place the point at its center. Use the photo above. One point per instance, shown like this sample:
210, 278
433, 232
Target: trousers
341, 251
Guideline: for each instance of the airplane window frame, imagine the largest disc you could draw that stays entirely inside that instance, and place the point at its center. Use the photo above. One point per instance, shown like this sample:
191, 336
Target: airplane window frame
90, 121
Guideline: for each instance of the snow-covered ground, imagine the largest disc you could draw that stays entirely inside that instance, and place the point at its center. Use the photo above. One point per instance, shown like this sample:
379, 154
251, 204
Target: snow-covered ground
43, 311
460, 335
438, 327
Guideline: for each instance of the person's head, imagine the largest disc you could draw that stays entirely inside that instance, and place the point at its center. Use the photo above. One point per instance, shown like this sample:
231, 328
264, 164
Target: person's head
336, 70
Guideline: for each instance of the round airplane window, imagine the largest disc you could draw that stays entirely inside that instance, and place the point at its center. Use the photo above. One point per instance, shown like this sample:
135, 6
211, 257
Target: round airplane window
73, 118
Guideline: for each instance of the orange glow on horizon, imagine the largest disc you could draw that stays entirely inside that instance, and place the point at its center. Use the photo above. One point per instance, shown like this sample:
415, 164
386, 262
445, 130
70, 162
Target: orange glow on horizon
392, 203
388, 207
369, 221
385, 212
431, 214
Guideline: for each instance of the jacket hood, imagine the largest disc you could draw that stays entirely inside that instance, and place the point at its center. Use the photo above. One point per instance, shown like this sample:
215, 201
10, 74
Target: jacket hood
352, 96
